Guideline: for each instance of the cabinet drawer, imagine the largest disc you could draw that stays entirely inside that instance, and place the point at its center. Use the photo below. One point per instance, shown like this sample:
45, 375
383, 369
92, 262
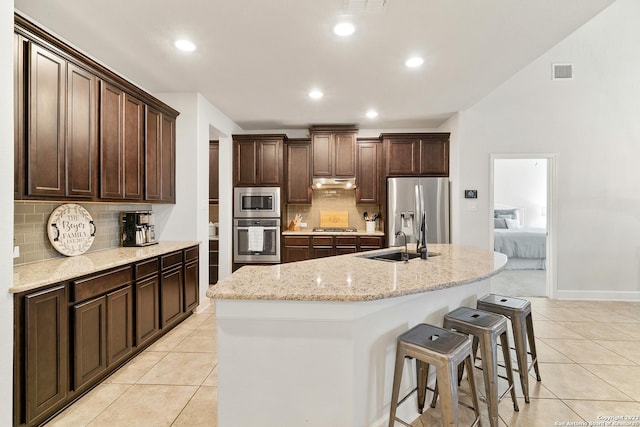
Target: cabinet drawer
296, 240
322, 240
171, 260
101, 283
146, 268
213, 258
371, 241
345, 240
191, 253
214, 245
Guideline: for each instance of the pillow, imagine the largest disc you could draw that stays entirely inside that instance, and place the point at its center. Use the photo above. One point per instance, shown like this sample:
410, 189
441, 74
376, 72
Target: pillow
512, 224
499, 223
505, 213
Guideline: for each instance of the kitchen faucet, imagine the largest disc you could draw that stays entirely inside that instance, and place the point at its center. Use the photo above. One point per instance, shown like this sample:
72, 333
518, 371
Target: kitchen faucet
405, 254
421, 245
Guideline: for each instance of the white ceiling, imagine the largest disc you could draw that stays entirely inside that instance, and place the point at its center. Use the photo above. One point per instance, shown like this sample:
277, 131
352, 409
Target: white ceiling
257, 59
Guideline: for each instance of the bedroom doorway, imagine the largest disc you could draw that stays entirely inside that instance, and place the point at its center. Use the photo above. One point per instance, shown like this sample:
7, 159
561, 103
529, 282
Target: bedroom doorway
521, 210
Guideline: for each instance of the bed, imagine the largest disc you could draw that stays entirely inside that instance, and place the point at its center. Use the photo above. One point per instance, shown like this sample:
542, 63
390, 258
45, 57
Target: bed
526, 247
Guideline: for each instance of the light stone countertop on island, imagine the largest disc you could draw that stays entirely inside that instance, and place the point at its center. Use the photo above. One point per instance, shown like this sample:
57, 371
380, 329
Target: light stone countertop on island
353, 277
34, 275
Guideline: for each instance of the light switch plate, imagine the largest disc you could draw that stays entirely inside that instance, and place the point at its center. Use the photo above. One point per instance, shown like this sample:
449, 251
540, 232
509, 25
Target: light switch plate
16, 251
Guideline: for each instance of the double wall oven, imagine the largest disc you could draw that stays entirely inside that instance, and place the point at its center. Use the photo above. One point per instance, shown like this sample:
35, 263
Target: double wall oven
256, 225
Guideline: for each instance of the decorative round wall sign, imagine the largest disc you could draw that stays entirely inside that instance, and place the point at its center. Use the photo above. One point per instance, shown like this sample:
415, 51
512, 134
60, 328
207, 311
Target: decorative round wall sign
71, 229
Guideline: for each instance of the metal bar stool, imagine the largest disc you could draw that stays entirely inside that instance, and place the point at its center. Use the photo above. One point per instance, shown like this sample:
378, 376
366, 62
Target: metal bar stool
446, 350
486, 328
519, 311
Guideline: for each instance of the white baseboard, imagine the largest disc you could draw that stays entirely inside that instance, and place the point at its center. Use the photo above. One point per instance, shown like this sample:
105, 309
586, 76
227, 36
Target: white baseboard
204, 305
599, 295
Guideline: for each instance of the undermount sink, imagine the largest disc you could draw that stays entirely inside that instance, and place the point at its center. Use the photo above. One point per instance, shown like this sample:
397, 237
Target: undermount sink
395, 256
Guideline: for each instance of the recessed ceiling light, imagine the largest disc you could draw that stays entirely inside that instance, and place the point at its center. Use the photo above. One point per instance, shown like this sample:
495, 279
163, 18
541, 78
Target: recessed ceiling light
372, 114
344, 29
414, 62
315, 94
185, 45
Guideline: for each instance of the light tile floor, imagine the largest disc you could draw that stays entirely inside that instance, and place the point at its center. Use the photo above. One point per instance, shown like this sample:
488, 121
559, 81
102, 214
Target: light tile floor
589, 359
171, 383
589, 356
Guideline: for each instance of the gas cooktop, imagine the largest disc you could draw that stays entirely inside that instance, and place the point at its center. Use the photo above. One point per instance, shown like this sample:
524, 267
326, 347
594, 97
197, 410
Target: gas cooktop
335, 230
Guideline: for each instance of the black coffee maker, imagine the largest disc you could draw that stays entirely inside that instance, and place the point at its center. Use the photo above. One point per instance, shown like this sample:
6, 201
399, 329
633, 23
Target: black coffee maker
138, 228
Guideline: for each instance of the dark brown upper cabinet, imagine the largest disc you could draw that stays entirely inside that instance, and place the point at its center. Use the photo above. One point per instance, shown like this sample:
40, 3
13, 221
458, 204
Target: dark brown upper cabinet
333, 151
80, 128
298, 173
133, 148
159, 156
214, 180
258, 160
62, 148
168, 174
416, 154
121, 144
368, 171
18, 107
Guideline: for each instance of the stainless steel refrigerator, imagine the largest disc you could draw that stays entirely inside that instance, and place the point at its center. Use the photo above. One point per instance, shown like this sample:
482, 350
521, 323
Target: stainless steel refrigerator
409, 201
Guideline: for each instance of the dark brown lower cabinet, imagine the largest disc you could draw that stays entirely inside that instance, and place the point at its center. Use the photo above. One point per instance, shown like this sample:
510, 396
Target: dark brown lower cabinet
69, 337
42, 330
171, 284
103, 334
213, 261
296, 248
299, 248
119, 325
147, 300
370, 243
89, 340
147, 309
191, 291
346, 245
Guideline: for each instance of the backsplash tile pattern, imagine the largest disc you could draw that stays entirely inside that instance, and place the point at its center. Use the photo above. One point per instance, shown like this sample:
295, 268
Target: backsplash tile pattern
30, 223
333, 200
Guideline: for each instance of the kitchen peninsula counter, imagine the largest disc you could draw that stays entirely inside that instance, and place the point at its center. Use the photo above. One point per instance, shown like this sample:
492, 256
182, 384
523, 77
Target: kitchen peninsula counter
354, 277
313, 342
35, 275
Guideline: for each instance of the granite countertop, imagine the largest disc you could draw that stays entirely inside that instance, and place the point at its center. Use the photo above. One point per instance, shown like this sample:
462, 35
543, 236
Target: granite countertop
355, 278
310, 232
39, 274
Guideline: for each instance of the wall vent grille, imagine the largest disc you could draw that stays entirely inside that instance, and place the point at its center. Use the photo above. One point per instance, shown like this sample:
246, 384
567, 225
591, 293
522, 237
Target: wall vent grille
562, 72
355, 7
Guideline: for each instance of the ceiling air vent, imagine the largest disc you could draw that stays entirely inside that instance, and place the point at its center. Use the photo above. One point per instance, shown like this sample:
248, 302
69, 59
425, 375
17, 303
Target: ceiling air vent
562, 72
355, 7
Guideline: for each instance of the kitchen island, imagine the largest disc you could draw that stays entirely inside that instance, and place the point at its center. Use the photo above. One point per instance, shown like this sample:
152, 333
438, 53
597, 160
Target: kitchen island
313, 343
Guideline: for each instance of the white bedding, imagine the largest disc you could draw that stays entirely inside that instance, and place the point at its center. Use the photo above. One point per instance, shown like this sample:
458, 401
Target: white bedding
522, 243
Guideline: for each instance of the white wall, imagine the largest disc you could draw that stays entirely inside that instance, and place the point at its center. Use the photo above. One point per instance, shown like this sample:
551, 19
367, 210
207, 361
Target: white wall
522, 183
592, 123
188, 218
6, 213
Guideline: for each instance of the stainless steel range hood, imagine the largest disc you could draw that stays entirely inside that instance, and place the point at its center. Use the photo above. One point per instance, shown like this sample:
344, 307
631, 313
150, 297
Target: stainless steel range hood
342, 183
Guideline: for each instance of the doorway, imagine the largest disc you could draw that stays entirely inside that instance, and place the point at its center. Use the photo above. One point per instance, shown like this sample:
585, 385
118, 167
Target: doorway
522, 207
